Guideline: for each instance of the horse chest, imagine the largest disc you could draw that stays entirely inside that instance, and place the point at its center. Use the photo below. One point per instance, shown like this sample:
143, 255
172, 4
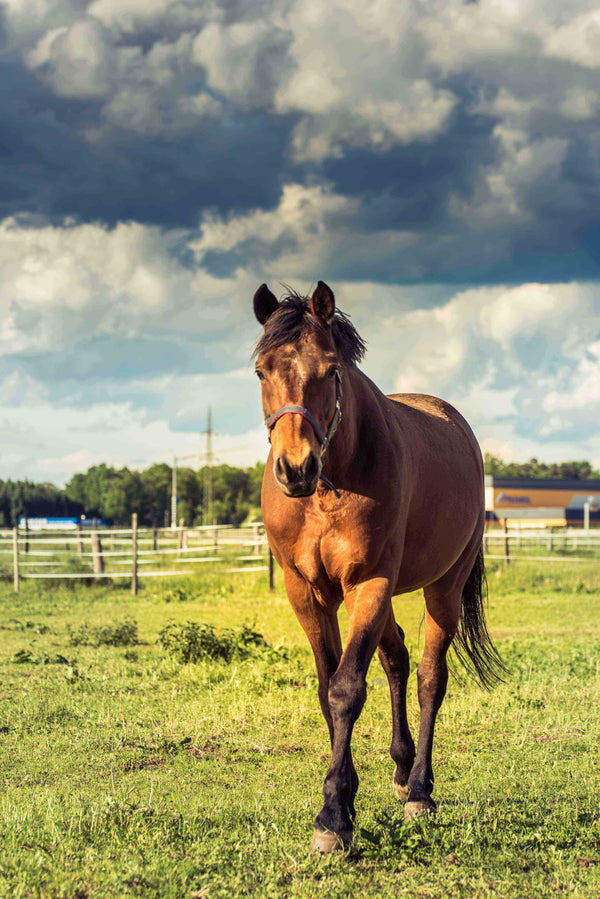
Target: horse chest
329, 554
325, 541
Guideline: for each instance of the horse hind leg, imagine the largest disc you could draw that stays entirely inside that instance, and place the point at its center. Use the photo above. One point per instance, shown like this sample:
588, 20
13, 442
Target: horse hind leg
393, 656
441, 621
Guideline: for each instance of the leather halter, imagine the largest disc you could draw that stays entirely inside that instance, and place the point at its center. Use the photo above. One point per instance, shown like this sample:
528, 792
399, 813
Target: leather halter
324, 439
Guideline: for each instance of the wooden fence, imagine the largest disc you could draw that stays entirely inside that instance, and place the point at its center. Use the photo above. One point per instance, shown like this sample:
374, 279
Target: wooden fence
134, 553
565, 544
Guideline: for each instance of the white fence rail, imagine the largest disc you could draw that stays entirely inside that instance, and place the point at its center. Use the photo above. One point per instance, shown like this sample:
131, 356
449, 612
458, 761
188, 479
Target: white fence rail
570, 544
134, 553
107, 553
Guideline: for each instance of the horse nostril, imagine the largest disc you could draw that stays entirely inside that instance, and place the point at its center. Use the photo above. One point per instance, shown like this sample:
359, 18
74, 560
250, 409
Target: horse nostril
310, 467
285, 472
297, 478
280, 469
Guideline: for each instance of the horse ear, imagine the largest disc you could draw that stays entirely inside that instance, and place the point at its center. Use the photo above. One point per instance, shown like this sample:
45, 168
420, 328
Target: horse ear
322, 303
265, 303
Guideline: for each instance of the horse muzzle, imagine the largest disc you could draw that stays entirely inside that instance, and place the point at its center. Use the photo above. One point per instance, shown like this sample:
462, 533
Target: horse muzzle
298, 480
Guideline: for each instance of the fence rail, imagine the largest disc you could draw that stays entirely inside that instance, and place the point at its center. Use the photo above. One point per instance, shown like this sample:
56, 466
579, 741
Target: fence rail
104, 553
565, 544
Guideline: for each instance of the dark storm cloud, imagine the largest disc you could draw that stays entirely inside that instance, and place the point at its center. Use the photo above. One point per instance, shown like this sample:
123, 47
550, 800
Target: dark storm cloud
49, 169
489, 161
408, 187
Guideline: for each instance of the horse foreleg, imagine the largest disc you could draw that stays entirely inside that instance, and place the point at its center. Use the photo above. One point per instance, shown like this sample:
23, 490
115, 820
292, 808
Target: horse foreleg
441, 621
319, 623
323, 633
347, 694
394, 659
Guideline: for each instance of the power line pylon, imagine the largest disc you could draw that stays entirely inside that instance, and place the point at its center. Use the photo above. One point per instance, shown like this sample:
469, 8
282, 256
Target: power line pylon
207, 499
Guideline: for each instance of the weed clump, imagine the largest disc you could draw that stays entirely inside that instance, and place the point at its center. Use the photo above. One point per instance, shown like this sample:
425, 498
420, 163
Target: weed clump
124, 633
179, 593
193, 642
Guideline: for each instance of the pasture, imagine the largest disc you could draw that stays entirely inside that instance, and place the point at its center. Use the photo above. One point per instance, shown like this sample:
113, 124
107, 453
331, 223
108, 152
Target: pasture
127, 771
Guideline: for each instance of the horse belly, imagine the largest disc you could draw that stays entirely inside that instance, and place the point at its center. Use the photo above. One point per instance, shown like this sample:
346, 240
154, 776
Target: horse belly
430, 552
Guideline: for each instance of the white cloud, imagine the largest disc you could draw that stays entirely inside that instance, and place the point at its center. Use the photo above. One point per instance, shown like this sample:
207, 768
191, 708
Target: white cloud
531, 309
242, 59
77, 61
583, 390
131, 17
520, 363
577, 40
302, 238
60, 285
439, 345
358, 78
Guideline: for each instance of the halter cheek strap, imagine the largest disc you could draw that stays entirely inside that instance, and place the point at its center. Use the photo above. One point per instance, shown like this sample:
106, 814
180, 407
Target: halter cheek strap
323, 439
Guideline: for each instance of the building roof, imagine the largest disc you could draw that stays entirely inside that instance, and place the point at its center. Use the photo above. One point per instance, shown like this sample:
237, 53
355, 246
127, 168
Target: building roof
581, 485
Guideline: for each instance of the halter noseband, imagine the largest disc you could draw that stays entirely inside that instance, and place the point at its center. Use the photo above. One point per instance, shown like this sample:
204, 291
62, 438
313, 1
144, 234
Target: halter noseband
324, 439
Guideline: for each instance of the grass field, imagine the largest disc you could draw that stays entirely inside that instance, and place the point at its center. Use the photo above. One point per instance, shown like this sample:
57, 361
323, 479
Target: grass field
126, 771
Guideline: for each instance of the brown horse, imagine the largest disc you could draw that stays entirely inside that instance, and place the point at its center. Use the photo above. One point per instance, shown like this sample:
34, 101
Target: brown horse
366, 496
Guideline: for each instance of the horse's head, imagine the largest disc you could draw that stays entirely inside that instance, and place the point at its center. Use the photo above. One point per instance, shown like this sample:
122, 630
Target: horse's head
299, 368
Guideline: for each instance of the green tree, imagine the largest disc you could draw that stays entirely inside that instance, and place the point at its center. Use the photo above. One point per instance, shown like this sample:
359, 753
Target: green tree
156, 491
580, 470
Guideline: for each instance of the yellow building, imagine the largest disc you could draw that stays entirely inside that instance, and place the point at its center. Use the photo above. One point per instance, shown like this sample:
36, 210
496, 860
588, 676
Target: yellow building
545, 502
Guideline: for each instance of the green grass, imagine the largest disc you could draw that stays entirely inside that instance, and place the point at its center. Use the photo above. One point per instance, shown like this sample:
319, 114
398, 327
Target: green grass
126, 772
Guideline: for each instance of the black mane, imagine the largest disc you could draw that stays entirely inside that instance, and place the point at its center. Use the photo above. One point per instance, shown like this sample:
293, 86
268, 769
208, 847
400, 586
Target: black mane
292, 319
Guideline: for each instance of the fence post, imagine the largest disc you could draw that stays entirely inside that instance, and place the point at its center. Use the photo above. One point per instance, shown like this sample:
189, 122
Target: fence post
256, 550
79, 541
134, 555
180, 538
506, 544
550, 539
16, 558
26, 535
155, 538
216, 540
97, 557
184, 540
271, 571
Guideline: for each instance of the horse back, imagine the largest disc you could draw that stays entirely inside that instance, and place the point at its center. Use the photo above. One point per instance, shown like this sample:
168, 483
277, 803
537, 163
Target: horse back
432, 418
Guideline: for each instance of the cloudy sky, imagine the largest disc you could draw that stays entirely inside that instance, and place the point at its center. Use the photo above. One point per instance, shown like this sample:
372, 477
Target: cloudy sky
438, 164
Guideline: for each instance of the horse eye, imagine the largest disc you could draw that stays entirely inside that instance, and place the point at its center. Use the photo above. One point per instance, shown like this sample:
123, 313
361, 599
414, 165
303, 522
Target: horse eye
332, 372
259, 374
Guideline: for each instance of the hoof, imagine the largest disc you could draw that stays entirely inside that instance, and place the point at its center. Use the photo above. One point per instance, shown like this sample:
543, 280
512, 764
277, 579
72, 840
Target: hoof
325, 841
419, 809
400, 791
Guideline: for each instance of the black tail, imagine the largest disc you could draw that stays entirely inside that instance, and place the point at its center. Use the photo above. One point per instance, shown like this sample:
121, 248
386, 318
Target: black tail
472, 643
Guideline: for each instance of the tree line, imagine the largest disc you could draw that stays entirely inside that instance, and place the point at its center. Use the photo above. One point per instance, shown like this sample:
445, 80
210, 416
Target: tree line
115, 493
580, 470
